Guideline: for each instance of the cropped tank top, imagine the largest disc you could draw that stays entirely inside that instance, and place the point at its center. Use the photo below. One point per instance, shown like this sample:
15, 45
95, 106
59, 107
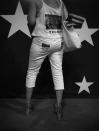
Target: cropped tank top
48, 22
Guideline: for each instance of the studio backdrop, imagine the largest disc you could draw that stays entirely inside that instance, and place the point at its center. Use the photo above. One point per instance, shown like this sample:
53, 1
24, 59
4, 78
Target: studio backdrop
80, 67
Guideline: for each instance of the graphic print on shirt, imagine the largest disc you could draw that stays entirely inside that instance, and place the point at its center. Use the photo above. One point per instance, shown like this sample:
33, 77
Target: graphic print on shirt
53, 22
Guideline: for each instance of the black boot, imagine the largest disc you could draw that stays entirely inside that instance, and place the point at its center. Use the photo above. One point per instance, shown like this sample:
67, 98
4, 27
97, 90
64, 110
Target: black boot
58, 110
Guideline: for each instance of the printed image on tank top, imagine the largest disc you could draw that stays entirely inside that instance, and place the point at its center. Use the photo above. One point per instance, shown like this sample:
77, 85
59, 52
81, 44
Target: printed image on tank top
52, 22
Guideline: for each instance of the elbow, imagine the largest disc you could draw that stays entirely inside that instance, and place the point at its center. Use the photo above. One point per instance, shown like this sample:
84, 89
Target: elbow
31, 21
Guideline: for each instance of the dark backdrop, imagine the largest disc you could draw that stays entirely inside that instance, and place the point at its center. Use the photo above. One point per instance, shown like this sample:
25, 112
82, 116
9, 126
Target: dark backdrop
14, 53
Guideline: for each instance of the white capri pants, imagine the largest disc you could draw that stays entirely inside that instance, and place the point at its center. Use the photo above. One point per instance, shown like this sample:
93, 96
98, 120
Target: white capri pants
40, 48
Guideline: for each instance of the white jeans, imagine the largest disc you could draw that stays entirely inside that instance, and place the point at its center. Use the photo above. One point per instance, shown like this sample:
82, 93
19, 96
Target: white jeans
38, 53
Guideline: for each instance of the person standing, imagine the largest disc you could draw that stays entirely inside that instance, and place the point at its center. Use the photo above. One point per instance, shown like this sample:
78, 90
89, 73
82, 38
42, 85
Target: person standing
45, 17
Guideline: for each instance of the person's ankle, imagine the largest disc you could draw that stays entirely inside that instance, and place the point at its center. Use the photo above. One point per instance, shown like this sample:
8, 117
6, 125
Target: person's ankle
58, 104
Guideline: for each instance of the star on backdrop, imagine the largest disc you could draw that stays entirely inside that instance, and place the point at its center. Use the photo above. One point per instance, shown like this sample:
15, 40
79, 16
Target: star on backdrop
85, 33
84, 85
18, 21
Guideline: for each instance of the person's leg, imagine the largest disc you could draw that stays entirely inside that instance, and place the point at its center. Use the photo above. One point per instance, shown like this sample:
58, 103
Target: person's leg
59, 94
58, 108
35, 61
56, 67
29, 92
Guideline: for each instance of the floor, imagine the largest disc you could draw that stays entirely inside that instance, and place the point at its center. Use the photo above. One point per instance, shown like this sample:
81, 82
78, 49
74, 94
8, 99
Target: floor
79, 115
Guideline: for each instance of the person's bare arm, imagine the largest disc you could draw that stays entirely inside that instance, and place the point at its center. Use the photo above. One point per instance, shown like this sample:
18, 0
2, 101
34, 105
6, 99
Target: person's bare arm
31, 18
32, 13
68, 24
65, 12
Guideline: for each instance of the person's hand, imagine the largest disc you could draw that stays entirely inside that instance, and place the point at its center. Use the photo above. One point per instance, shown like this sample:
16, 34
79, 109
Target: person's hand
70, 26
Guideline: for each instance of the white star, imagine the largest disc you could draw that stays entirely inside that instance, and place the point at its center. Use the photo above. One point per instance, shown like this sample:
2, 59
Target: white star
85, 33
18, 21
84, 85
